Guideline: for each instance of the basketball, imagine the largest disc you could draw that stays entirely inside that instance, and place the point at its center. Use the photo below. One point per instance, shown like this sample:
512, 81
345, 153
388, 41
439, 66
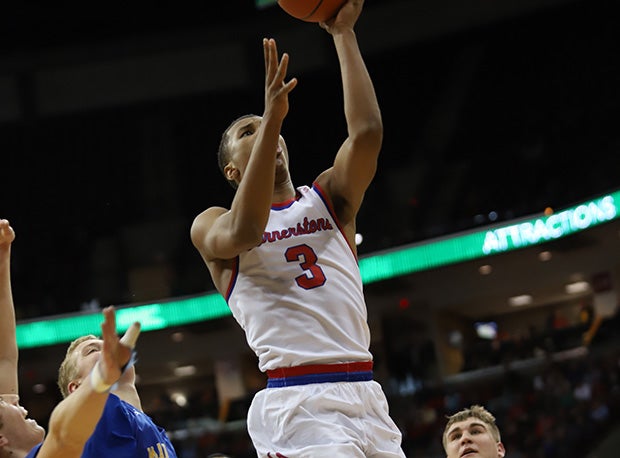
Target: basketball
311, 10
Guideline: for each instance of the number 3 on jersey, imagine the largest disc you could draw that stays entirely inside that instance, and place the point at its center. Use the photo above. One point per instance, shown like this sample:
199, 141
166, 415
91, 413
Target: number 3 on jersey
313, 276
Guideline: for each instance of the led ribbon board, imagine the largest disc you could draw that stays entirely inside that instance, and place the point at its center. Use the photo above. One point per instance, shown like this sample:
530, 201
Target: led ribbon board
492, 240
65, 328
380, 266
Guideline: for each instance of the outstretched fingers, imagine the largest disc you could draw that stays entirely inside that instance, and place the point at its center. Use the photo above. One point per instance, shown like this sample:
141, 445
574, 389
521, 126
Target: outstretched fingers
281, 74
276, 70
109, 365
130, 337
271, 58
108, 327
116, 352
7, 235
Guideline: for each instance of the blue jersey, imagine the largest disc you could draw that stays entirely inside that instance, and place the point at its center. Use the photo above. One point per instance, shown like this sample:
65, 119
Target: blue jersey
35, 451
126, 432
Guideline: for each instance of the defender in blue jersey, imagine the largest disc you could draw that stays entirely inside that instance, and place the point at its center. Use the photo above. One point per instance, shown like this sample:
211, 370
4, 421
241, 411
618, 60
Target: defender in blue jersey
74, 419
124, 430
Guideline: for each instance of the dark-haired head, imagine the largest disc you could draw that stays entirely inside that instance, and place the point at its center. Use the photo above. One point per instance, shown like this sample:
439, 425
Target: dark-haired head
224, 153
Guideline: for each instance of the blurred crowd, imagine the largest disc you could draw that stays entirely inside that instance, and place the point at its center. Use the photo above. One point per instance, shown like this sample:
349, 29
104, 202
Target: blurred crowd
561, 402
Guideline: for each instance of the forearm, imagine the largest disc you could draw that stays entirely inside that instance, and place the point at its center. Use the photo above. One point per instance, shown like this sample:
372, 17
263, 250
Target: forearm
8, 343
252, 202
361, 107
73, 421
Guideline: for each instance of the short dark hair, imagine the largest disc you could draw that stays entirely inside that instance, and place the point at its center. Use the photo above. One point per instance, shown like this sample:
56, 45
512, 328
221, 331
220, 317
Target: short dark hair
223, 152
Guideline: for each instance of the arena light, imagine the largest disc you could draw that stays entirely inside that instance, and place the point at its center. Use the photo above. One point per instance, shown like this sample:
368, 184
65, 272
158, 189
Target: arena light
185, 371
376, 267
577, 287
520, 301
65, 328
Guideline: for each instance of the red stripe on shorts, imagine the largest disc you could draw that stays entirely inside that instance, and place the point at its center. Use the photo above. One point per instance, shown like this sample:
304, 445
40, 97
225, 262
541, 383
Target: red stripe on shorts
309, 369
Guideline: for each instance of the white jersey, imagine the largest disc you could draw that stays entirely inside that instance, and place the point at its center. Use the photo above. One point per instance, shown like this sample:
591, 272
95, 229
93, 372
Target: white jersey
298, 295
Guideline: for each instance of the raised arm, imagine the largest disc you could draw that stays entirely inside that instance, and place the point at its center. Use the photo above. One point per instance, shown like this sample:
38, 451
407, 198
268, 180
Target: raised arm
222, 234
74, 420
356, 162
8, 343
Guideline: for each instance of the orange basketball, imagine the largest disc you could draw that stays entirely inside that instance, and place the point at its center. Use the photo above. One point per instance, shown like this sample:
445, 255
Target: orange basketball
311, 10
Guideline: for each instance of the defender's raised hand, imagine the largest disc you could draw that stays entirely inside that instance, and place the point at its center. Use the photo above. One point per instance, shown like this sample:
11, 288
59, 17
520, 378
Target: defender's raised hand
115, 354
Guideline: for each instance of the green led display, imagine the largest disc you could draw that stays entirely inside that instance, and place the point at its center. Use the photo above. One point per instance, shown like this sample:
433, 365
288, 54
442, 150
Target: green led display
380, 266
264, 3
420, 257
152, 317
492, 240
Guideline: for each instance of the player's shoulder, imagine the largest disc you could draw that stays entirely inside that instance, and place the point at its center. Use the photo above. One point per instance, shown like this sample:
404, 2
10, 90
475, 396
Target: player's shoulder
205, 219
323, 182
209, 214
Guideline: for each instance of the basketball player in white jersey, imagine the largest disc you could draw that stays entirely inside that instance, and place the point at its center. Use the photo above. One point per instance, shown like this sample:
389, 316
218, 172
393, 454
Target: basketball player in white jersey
285, 260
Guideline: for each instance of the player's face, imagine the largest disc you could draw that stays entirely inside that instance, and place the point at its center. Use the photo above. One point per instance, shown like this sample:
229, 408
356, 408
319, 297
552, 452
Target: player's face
18, 431
87, 354
242, 136
472, 439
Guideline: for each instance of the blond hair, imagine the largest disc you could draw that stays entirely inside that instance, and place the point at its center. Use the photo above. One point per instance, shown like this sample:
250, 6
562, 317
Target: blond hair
68, 368
474, 411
